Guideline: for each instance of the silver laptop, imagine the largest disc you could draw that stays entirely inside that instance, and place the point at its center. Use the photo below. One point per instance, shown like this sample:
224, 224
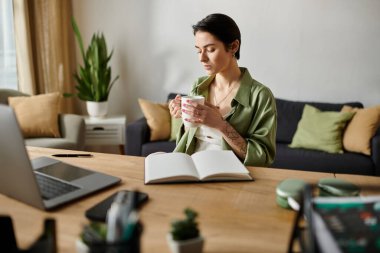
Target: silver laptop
44, 182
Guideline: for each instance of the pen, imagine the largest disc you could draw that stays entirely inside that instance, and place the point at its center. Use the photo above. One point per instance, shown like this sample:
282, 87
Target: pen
72, 155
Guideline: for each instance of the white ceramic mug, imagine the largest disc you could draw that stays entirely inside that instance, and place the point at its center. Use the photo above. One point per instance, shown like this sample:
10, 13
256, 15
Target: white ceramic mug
197, 99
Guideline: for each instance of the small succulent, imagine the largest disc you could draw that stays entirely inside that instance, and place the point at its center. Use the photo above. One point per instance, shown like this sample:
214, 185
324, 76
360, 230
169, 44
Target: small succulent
94, 232
187, 228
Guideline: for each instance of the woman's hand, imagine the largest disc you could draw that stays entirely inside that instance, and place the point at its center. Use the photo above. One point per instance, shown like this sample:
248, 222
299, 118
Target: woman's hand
210, 116
175, 107
206, 114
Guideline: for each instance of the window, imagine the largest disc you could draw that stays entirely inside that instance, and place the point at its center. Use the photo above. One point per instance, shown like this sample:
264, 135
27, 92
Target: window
8, 68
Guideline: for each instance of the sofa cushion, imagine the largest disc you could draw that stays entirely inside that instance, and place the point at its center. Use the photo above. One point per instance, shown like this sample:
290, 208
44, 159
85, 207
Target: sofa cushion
321, 130
158, 118
312, 160
289, 114
360, 130
37, 115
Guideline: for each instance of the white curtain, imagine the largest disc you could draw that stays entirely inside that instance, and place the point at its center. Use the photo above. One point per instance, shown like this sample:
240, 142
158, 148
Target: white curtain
8, 73
25, 69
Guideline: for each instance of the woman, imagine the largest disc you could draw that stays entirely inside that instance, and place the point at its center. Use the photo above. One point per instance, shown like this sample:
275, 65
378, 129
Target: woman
239, 113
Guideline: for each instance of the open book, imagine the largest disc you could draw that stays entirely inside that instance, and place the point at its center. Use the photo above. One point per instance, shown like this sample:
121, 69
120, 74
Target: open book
207, 165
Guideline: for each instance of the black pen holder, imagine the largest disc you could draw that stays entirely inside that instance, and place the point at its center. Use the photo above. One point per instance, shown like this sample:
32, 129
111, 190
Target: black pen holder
131, 245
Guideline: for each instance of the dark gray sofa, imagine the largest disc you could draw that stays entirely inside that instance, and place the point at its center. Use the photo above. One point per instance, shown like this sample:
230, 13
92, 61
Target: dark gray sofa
288, 115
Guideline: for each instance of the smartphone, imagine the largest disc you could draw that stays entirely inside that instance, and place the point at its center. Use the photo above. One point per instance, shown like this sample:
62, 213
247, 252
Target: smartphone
99, 211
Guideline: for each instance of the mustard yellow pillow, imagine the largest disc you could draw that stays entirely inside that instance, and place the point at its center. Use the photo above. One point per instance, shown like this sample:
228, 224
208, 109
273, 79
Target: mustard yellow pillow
37, 115
158, 119
360, 130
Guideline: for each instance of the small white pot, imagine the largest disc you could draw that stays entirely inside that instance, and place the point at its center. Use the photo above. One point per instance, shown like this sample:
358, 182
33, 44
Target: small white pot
97, 109
187, 246
81, 246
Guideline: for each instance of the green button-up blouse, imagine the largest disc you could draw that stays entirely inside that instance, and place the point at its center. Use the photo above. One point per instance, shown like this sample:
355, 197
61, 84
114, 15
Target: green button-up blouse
253, 115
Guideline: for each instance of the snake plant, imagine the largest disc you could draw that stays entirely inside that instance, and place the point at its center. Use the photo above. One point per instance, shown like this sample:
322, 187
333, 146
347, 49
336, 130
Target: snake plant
94, 76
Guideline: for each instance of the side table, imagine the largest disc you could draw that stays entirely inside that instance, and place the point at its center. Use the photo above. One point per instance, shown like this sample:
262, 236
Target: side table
106, 131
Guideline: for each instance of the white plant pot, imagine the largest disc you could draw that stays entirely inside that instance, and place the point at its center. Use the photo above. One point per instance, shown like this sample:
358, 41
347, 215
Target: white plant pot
97, 109
81, 246
187, 246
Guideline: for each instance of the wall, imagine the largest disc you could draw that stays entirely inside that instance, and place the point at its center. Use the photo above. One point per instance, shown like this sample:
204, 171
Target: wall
324, 50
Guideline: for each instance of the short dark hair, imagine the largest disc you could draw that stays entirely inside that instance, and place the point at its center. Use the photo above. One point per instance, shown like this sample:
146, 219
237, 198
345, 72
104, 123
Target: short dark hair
222, 27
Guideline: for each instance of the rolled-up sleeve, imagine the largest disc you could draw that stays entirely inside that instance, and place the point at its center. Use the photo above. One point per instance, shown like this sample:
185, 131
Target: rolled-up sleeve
261, 135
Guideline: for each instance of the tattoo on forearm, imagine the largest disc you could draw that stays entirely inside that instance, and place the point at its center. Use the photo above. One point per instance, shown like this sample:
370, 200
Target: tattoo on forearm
235, 140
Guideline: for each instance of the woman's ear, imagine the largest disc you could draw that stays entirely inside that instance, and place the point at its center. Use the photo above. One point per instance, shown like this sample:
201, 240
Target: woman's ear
234, 46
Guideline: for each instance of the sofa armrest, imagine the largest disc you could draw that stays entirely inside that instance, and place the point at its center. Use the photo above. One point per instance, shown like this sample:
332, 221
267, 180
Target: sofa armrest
137, 133
375, 155
73, 129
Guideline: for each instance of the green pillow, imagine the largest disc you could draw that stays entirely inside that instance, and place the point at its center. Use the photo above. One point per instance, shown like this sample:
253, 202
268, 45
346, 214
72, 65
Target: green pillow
175, 127
321, 130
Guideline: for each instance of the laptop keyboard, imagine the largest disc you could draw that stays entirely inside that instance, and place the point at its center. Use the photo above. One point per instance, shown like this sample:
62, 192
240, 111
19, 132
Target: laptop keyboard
51, 188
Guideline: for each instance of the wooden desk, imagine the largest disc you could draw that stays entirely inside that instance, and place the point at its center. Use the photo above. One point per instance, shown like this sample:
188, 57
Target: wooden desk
234, 216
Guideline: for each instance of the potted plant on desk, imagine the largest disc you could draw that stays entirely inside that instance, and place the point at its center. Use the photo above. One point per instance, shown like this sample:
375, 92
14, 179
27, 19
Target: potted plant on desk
94, 77
184, 236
